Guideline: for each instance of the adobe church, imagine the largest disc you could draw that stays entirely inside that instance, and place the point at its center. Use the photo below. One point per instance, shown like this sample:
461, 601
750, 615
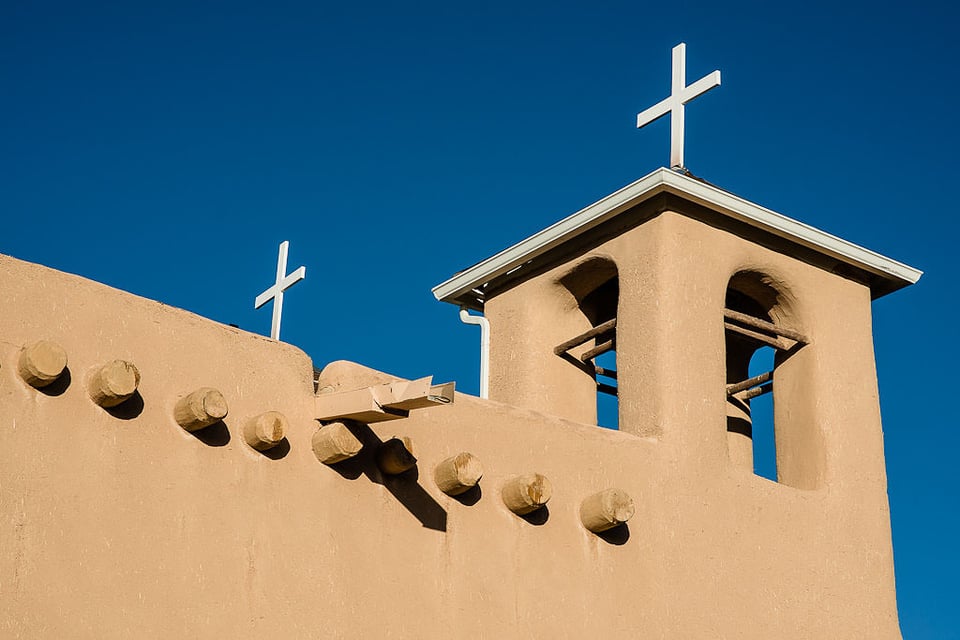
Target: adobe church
167, 476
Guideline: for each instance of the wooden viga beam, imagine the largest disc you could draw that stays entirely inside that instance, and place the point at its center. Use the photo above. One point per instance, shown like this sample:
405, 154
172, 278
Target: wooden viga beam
600, 329
590, 354
767, 332
378, 403
737, 387
756, 391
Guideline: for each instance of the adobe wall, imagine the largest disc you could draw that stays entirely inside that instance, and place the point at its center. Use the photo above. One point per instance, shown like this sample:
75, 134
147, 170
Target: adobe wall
119, 524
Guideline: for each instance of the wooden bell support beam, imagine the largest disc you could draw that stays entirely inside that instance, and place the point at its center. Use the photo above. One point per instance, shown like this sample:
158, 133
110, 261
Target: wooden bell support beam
766, 333
600, 349
756, 391
776, 343
762, 329
597, 332
735, 388
586, 336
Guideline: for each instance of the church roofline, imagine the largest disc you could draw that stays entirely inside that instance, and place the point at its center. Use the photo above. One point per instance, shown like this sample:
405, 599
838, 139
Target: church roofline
459, 289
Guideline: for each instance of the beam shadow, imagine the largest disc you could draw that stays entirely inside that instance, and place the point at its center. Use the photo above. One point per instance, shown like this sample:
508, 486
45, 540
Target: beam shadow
276, 452
539, 517
469, 497
129, 409
404, 487
616, 536
216, 435
58, 386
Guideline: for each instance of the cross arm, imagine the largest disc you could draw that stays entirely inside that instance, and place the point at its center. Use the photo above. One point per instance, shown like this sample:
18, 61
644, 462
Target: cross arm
701, 86
295, 277
655, 112
264, 297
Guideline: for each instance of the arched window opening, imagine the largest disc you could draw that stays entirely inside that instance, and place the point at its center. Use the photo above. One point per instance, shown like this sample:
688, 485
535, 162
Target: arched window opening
596, 289
761, 418
755, 345
607, 406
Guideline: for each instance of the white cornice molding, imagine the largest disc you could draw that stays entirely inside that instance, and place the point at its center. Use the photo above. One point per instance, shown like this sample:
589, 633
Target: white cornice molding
664, 180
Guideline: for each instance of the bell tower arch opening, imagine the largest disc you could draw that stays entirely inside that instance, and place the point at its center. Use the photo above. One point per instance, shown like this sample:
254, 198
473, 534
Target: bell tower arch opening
759, 336
595, 288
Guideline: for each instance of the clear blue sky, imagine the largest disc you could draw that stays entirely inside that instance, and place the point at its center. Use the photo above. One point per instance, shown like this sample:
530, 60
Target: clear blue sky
166, 148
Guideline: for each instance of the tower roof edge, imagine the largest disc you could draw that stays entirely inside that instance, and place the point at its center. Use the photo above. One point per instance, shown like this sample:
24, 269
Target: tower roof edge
465, 288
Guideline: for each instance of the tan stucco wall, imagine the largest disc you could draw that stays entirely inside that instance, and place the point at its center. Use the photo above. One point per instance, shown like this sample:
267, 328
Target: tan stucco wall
119, 526
674, 271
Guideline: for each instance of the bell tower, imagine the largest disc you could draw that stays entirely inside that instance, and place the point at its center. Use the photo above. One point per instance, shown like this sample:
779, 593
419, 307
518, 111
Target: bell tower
659, 294
659, 302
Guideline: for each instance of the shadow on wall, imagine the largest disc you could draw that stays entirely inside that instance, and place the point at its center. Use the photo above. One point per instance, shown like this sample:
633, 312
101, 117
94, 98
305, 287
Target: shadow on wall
216, 435
617, 536
403, 486
129, 409
58, 386
538, 517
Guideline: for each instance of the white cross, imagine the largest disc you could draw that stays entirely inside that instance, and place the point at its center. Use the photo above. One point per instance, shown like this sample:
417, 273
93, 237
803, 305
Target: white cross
275, 292
679, 96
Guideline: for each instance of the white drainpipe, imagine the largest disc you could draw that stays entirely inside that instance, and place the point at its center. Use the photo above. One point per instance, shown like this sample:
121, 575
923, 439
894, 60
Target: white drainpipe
484, 347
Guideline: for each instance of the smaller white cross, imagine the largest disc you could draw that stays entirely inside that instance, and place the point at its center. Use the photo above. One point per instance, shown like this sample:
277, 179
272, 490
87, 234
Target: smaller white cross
679, 96
275, 292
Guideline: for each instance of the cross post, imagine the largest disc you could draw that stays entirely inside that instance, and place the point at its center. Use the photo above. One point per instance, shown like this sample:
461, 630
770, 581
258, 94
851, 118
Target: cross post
680, 94
275, 292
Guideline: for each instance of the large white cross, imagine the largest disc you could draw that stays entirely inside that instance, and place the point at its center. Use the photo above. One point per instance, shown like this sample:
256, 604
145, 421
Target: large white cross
275, 292
679, 96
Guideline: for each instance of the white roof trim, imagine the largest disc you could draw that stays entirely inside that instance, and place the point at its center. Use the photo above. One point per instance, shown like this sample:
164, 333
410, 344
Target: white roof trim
666, 180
